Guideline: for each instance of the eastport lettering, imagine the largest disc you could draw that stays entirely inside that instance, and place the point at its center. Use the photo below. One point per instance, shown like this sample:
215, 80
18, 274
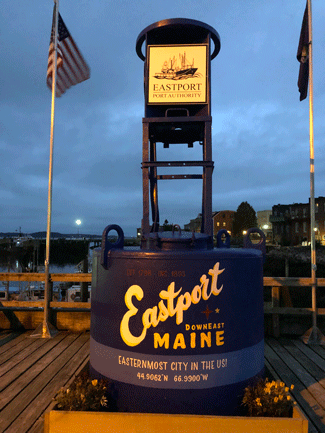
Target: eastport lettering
177, 87
172, 304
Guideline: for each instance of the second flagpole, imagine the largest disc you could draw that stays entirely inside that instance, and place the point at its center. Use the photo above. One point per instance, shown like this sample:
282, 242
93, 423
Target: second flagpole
313, 335
46, 329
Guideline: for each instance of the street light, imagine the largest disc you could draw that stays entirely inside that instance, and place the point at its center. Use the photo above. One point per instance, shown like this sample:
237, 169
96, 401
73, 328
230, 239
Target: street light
78, 222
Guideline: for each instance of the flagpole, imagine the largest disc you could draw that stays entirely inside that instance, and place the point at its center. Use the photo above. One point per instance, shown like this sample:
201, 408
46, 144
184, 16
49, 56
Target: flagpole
313, 335
46, 329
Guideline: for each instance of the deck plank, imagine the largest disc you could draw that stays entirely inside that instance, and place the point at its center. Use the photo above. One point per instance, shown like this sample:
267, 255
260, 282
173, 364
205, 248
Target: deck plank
17, 348
18, 385
22, 382
320, 350
312, 352
6, 336
287, 376
33, 358
302, 368
313, 363
58, 379
13, 361
13, 342
38, 426
277, 356
48, 369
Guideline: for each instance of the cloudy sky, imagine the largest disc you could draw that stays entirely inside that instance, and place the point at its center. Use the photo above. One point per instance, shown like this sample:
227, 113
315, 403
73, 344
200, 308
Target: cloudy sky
260, 128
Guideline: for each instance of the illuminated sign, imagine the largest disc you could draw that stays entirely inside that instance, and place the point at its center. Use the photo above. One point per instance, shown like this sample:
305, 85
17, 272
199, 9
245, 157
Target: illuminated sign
177, 74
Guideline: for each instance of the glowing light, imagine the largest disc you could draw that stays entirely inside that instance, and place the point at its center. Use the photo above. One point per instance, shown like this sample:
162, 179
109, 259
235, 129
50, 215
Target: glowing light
78, 222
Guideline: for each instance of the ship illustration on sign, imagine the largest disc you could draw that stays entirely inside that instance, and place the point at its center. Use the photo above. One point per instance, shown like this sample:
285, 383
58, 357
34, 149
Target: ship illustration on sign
171, 71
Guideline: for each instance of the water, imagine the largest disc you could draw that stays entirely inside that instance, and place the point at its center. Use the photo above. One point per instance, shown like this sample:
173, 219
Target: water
54, 269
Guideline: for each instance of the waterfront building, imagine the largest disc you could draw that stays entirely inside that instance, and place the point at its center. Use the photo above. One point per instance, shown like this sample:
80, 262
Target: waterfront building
291, 223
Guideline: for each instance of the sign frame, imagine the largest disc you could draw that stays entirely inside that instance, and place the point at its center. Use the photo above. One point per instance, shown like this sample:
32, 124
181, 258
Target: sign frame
172, 80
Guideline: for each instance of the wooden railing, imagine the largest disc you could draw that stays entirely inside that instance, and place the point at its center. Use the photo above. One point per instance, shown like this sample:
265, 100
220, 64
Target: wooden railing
278, 285
35, 276
39, 304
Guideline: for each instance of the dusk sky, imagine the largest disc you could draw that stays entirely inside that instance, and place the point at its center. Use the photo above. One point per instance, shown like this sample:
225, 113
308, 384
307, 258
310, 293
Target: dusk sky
260, 128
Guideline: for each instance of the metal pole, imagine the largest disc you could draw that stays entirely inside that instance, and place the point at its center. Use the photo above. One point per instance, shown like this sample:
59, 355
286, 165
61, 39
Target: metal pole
313, 335
46, 329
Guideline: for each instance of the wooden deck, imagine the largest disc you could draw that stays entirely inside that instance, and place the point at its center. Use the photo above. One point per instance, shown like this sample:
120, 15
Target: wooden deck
293, 362
32, 370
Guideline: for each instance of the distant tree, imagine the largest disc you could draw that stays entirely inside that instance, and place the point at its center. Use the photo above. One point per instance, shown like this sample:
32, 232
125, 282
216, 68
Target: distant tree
167, 227
245, 218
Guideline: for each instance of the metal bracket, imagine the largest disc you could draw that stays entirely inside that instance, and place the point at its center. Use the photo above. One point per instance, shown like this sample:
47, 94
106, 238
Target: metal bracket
260, 245
220, 242
107, 246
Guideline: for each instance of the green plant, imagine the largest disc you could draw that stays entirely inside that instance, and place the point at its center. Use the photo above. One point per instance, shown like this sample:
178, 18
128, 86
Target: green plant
268, 399
86, 394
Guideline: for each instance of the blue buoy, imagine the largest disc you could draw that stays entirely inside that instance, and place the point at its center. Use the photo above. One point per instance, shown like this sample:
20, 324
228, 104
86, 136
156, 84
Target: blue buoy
177, 330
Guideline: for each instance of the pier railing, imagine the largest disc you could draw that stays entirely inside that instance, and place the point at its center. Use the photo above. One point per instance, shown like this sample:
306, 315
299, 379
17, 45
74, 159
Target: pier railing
280, 309
277, 309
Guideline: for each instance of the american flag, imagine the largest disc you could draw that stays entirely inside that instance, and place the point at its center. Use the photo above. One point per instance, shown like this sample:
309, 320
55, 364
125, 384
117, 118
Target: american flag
71, 66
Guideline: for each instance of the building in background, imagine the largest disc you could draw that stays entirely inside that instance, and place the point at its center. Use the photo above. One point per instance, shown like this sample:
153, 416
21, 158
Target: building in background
291, 223
194, 225
223, 220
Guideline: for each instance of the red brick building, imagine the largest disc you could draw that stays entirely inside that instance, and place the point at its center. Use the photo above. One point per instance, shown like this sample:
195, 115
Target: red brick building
223, 220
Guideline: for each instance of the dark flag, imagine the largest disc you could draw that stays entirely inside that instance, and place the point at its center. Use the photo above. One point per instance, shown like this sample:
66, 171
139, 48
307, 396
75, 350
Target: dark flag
71, 66
302, 56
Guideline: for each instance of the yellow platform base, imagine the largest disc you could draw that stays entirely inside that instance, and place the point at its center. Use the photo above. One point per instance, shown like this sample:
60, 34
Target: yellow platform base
94, 422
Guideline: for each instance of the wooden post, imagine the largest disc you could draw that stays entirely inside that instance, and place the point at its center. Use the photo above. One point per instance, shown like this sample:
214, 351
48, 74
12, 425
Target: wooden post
7, 285
285, 289
83, 285
275, 317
